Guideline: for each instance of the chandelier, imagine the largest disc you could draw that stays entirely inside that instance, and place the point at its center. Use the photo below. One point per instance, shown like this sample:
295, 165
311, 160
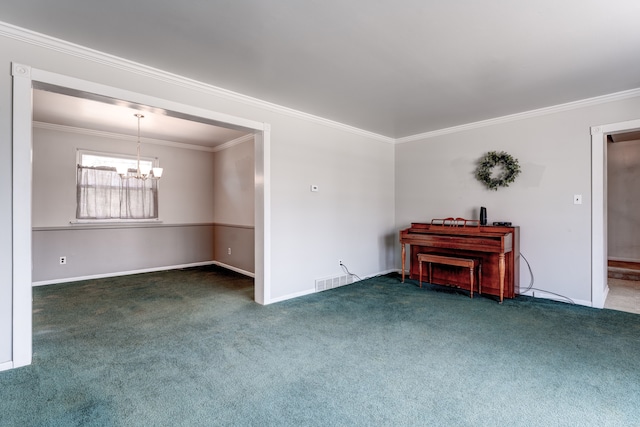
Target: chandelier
143, 171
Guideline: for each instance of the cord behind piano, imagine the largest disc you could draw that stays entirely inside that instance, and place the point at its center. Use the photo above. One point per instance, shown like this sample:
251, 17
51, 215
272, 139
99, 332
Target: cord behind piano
346, 270
536, 289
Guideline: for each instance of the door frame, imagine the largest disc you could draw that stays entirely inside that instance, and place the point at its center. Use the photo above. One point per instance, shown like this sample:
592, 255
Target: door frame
599, 287
24, 77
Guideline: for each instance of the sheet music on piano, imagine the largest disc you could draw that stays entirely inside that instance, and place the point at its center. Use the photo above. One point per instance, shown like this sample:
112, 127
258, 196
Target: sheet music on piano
455, 222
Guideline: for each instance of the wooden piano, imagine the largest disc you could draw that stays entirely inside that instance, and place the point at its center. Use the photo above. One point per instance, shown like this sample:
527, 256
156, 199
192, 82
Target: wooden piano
497, 247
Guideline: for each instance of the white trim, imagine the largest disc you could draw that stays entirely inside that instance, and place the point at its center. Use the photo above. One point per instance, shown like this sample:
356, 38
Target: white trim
121, 273
144, 140
598, 218
546, 295
236, 269
42, 40
115, 222
604, 296
112, 154
599, 287
48, 42
617, 96
143, 270
21, 239
293, 295
313, 290
93, 225
5, 366
24, 77
266, 210
55, 79
262, 215
234, 142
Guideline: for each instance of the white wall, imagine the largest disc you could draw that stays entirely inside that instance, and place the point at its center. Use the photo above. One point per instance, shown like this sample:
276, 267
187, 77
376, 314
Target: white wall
185, 198
6, 207
434, 178
623, 200
233, 184
185, 191
350, 218
234, 206
105, 251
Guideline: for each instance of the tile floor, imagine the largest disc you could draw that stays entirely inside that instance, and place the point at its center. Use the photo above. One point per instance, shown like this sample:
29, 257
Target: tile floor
624, 295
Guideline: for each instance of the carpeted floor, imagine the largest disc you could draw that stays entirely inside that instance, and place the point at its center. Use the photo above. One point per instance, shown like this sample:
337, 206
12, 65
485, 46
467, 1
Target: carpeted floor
191, 348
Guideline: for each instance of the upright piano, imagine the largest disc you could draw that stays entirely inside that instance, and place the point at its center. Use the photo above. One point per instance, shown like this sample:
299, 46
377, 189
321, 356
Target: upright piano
497, 248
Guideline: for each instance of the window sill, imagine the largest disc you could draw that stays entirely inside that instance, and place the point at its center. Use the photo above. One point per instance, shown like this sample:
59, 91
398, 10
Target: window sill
105, 224
115, 225
114, 221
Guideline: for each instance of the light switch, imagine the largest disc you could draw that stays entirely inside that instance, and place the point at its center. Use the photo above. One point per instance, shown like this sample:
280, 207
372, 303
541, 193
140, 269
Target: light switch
314, 188
577, 199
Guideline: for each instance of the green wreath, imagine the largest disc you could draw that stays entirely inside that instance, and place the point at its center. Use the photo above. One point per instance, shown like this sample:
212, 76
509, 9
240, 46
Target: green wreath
510, 170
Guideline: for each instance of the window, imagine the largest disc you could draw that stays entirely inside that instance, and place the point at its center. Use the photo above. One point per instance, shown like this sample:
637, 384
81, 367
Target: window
103, 195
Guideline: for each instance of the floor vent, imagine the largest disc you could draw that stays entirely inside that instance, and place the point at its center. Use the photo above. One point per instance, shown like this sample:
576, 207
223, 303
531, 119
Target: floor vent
333, 282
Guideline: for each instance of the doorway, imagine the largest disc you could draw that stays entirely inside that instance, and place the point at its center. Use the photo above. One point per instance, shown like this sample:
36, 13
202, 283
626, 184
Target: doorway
599, 214
24, 79
623, 228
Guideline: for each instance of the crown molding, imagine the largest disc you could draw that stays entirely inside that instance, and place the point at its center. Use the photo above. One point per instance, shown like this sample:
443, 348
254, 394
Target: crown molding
68, 48
122, 137
48, 42
234, 142
617, 96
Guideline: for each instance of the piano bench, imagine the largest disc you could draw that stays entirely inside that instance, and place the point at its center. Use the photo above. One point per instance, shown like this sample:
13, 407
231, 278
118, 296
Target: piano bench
469, 263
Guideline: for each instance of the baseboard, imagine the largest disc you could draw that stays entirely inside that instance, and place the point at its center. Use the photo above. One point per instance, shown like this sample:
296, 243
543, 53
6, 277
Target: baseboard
604, 296
553, 297
121, 273
232, 268
313, 290
5, 366
291, 296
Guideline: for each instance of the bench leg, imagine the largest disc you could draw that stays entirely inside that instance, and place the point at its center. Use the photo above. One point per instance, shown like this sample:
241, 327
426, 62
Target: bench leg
471, 281
420, 272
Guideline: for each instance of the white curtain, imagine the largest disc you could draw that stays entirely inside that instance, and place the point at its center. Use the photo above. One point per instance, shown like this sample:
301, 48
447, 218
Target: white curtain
102, 194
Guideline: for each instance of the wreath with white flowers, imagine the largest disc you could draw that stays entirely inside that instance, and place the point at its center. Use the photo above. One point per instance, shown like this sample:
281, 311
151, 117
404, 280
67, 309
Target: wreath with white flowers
508, 164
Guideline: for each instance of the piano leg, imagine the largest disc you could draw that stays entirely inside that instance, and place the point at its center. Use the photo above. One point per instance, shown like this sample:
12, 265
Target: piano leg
501, 268
404, 255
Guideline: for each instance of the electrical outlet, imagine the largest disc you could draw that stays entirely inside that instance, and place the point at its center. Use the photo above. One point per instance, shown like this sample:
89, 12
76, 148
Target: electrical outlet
63, 260
228, 251
339, 262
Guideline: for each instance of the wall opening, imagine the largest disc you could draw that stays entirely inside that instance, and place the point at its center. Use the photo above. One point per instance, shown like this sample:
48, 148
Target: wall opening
599, 218
24, 80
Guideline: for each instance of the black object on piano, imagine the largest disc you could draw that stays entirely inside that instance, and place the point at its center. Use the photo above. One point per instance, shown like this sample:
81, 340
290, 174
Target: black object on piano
503, 224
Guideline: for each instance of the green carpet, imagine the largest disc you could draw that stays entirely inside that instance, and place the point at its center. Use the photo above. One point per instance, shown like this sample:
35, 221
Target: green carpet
191, 348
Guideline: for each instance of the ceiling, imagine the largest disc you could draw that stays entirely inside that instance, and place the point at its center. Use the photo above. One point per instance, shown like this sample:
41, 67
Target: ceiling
392, 67
105, 115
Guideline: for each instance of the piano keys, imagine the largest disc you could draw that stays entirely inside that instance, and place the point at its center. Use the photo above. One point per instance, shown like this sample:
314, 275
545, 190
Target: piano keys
497, 247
